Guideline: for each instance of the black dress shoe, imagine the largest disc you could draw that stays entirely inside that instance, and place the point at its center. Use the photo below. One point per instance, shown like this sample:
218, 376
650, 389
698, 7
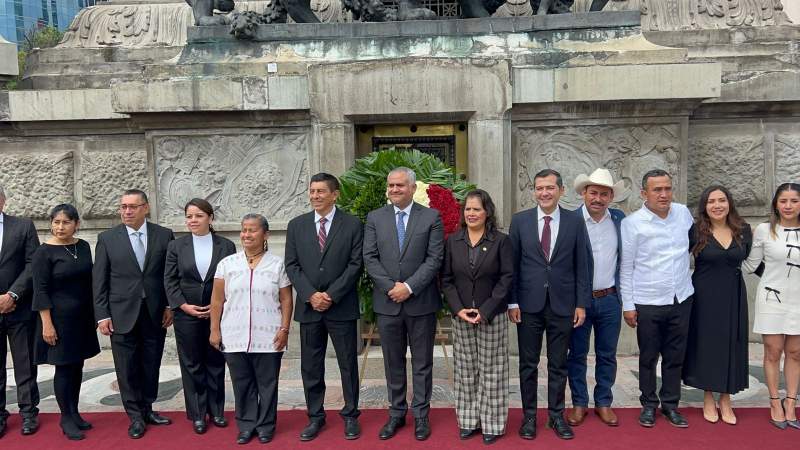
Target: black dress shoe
560, 426
464, 433
199, 426
312, 430
70, 429
219, 421
422, 428
264, 437
647, 418
352, 430
2, 427
390, 428
490, 438
30, 425
675, 418
82, 424
136, 430
154, 418
244, 437
528, 428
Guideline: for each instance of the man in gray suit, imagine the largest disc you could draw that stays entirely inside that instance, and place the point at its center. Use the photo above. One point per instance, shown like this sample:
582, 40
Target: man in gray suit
403, 250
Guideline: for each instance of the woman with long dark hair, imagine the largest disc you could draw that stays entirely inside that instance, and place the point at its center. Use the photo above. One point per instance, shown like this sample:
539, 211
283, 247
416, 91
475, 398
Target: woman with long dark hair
62, 293
716, 351
476, 279
188, 279
777, 315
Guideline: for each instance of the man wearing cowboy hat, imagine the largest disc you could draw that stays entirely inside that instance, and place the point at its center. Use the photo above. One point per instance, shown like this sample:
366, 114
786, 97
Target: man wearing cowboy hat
604, 312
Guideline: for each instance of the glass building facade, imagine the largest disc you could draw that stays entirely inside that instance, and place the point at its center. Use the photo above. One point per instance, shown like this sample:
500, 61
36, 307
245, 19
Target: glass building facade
19, 16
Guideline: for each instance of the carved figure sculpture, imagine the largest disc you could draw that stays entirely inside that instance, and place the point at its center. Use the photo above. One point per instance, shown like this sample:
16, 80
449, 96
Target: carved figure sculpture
203, 11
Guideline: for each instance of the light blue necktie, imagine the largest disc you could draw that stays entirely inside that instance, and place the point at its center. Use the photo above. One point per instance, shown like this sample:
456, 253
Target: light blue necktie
401, 228
138, 249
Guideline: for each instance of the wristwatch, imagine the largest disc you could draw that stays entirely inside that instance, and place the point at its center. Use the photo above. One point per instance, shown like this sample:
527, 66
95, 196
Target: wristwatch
13, 296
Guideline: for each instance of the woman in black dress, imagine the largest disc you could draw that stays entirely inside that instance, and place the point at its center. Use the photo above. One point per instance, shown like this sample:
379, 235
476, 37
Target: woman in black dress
716, 352
62, 293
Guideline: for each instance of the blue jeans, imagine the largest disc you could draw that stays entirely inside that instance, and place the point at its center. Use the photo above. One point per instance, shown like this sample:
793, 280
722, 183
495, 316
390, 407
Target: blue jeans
604, 314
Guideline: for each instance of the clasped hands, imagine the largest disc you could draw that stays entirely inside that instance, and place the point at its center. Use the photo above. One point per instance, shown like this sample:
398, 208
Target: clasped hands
470, 315
320, 301
399, 293
7, 304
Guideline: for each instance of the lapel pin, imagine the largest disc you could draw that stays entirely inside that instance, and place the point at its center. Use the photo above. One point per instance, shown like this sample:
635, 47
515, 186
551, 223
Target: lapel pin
484, 248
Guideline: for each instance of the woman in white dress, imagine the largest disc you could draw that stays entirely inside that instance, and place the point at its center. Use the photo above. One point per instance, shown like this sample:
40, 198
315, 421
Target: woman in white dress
777, 312
251, 309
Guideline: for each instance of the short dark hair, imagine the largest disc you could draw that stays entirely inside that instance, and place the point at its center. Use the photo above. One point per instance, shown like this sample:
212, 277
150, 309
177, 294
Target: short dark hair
332, 181
138, 192
486, 203
544, 173
202, 205
653, 174
70, 211
260, 218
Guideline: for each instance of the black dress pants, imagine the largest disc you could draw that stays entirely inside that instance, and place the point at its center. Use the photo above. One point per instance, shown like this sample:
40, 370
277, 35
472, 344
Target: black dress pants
529, 336
255, 389
662, 331
137, 360
202, 368
21, 337
67, 388
313, 345
397, 333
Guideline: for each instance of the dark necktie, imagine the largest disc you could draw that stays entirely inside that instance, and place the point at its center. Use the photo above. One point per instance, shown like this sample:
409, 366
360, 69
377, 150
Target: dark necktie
323, 235
545, 240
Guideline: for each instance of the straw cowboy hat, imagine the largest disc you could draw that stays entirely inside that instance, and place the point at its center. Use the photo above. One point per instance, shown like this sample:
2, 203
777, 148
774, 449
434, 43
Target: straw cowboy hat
600, 177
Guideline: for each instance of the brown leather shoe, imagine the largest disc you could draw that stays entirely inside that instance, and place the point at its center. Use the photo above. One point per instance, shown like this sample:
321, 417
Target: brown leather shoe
576, 416
607, 415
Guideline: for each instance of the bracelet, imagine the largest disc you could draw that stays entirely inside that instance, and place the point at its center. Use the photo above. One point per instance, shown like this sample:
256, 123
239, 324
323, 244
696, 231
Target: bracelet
284, 329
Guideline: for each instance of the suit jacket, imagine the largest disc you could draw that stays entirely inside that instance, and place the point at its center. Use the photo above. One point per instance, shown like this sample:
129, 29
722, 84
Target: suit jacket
20, 241
565, 276
119, 284
487, 285
335, 270
417, 263
616, 216
182, 281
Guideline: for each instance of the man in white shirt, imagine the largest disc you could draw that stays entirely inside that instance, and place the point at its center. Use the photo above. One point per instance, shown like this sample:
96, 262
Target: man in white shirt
656, 288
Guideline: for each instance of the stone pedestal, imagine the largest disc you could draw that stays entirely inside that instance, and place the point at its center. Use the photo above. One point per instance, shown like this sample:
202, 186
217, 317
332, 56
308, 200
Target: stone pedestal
8, 60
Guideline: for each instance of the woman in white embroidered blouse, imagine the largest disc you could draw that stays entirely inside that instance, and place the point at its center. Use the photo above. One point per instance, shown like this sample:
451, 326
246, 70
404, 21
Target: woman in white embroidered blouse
251, 309
777, 315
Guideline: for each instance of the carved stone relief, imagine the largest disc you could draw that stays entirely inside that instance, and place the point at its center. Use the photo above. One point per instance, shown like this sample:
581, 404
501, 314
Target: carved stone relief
736, 162
35, 182
237, 174
105, 175
627, 151
662, 15
787, 159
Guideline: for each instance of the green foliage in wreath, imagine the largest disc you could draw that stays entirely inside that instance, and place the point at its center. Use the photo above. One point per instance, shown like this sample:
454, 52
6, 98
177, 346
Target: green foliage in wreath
363, 189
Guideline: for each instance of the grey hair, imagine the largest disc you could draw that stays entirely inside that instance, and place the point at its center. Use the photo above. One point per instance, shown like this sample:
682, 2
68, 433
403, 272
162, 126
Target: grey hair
412, 177
261, 219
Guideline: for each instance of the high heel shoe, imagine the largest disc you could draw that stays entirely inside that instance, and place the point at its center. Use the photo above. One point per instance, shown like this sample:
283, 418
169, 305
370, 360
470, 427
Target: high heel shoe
792, 423
781, 424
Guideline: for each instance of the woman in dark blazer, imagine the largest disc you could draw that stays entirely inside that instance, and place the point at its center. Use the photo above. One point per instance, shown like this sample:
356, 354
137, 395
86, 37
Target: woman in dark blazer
476, 279
189, 279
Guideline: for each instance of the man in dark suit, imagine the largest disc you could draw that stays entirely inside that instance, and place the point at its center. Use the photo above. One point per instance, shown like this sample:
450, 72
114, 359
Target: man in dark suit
604, 313
323, 262
131, 305
403, 250
18, 241
549, 295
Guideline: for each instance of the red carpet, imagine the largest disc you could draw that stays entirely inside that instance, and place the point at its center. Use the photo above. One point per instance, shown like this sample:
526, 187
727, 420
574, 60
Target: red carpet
752, 432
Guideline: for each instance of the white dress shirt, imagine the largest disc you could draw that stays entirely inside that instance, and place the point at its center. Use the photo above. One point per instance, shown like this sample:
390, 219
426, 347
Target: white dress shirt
329, 216
655, 258
251, 316
132, 237
1, 232
203, 251
603, 237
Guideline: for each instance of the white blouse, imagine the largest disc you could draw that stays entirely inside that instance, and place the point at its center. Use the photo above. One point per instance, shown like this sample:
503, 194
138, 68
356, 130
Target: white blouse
203, 251
251, 316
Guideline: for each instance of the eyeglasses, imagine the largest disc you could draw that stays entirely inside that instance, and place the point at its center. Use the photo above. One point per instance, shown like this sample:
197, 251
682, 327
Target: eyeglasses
131, 207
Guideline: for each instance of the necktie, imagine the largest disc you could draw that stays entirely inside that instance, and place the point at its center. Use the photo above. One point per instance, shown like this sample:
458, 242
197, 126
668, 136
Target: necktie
138, 249
401, 228
545, 240
323, 235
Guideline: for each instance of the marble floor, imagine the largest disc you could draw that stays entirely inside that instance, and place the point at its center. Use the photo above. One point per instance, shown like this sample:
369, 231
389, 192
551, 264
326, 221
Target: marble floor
100, 392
